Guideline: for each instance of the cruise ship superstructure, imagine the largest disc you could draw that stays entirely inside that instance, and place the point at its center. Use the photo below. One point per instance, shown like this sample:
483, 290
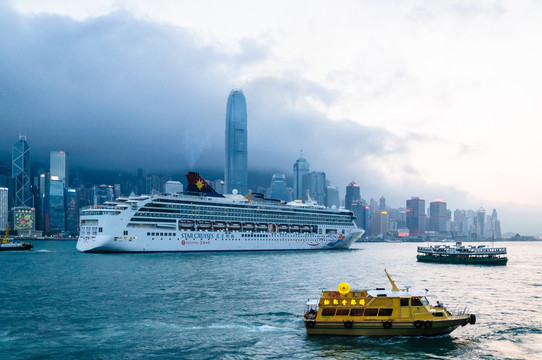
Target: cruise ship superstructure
202, 220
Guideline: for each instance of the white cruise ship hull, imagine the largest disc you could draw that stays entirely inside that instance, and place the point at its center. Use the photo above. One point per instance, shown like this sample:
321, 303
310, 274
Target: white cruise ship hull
189, 241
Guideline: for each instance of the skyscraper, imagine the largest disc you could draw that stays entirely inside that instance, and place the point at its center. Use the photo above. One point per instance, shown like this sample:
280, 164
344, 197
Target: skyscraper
3, 208
314, 184
438, 216
20, 174
278, 188
415, 216
235, 170
301, 168
332, 197
55, 210
352, 195
59, 165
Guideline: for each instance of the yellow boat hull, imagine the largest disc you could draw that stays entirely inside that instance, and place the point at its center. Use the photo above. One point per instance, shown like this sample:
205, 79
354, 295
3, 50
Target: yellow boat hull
386, 328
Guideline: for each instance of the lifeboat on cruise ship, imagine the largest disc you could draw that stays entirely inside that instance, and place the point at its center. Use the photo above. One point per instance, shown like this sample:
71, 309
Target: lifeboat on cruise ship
261, 227
186, 224
283, 227
219, 225
294, 228
305, 228
204, 225
234, 226
248, 226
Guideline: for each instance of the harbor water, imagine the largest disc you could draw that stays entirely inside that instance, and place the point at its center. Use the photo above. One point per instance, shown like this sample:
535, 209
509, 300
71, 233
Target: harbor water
58, 303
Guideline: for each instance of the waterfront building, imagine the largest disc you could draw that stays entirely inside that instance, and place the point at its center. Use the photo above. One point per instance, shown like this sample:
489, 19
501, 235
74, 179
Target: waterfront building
301, 168
278, 189
315, 186
59, 166
235, 170
352, 195
72, 212
332, 197
379, 223
415, 216
20, 174
4, 201
23, 218
438, 216
172, 187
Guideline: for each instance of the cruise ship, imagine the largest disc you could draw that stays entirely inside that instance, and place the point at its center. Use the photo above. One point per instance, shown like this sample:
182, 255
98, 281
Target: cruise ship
200, 219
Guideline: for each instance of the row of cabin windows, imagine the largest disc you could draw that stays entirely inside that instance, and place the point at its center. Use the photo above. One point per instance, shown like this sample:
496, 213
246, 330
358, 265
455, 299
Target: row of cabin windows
161, 234
357, 312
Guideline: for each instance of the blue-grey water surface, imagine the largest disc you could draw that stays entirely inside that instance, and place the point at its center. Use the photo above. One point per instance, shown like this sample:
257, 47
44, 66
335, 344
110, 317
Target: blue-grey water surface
57, 303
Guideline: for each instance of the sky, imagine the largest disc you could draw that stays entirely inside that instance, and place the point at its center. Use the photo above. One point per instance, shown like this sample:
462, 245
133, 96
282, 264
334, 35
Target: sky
437, 99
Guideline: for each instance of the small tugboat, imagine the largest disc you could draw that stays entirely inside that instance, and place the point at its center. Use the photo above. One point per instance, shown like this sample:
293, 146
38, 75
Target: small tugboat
379, 312
461, 254
9, 244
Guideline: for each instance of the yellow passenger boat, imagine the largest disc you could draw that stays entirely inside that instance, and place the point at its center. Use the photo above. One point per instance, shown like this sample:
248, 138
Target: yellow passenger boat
380, 312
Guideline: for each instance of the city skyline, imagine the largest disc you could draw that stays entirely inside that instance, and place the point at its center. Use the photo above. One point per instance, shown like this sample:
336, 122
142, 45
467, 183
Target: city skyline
412, 117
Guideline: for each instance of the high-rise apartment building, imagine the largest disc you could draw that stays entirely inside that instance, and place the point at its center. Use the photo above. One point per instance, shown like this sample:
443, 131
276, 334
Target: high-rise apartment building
415, 216
438, 216
379, 223
352, 195
20, 174
235, 170
301, 168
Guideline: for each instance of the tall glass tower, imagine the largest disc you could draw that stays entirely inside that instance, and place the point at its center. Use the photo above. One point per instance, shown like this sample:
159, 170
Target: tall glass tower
235, 172
20, 173
301, 168
60, 166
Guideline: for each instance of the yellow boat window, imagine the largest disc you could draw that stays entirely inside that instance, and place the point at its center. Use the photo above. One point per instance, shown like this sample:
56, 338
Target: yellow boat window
385, 312
357, 312
342, 312
328, 312
371, 312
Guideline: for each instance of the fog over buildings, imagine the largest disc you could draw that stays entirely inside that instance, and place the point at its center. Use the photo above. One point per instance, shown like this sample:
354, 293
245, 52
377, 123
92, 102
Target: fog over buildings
124, 88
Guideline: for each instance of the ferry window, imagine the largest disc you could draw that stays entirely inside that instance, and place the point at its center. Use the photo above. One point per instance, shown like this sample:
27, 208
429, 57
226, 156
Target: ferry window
342, 312
148, 234
404, 301
328, 312
356, 312
416, 302
371, 312
385, 312
424, 301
